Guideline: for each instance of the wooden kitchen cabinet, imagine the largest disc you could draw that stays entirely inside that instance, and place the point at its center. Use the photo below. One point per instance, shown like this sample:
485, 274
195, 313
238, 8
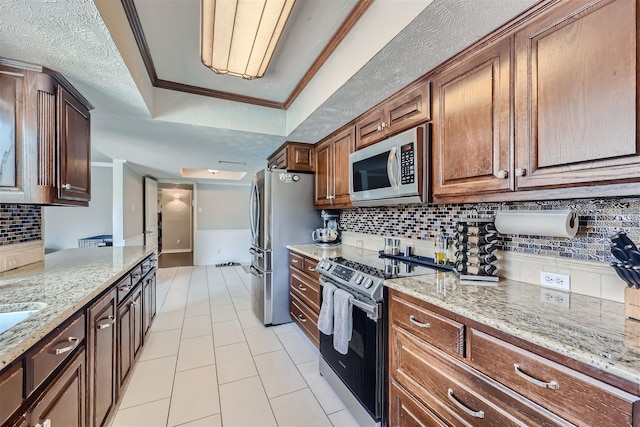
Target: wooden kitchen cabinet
129, 339
495, 383
101, 358
304, 291
471, 124
575, 94
45, 148
11, 391
293, 156
64, 402
332, 170
149, 301
401, 111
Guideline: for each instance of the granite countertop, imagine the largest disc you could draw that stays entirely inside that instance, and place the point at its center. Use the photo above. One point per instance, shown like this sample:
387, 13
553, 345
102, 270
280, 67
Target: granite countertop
590, 330
65, 281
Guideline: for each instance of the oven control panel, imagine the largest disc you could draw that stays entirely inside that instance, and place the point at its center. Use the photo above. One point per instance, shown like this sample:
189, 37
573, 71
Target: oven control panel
342, 272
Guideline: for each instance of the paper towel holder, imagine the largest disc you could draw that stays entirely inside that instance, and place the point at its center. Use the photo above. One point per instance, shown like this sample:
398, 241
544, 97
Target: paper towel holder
557, 223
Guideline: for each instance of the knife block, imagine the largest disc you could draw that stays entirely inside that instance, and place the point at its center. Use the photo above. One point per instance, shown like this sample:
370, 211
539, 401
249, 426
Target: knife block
632, 303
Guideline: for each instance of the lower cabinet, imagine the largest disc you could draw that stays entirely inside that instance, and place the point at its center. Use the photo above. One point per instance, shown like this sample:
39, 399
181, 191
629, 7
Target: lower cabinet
101, 358
304, 293
149, 301
63, 403
129, 321
493, 383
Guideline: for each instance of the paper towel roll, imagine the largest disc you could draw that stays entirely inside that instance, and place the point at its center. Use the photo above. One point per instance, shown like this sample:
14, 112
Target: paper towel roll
558, 223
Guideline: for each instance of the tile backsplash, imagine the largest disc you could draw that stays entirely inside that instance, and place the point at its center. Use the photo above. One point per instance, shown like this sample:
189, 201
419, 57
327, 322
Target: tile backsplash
20, 224
599, 219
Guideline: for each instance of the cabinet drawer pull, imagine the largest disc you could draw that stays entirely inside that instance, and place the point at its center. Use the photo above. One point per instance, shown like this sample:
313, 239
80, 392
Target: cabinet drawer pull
136, 275
124, 288
311, 269
553, 385
112, 320
74, 343
503, 174
419, 324
302, 288
66, 186
45, 423
452, 398
299, 316
295, 261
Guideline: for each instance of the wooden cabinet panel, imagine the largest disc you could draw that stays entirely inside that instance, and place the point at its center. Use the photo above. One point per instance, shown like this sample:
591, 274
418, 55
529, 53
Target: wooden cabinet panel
406, 411
332, 170
129, 322
296, 260
576, 397
455, 392
63, 404
101, 358
11, 392
306, 289
576, 90
471, 124
309, 268
293, 156
369, 129
305, 318
149, 301
444, 333
123, 288
51, 352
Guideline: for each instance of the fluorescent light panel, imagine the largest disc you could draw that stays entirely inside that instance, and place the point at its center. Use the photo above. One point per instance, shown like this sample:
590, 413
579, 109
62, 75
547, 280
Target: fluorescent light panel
212, 174
238, 37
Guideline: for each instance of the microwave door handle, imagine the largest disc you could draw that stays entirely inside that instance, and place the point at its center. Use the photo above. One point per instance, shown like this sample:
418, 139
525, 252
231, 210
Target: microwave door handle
393, 158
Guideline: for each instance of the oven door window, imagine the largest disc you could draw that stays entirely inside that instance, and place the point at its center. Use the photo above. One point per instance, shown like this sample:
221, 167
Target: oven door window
371, 173
359, 368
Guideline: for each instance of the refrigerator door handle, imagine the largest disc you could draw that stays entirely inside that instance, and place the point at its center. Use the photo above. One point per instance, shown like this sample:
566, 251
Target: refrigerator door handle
256, 253
255, 272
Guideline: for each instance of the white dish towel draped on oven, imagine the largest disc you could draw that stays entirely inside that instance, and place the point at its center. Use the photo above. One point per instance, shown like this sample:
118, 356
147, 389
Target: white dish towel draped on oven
342, 320
325, 319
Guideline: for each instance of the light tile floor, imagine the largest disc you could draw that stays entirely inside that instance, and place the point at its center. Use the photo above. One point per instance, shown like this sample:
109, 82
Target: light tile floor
210, 362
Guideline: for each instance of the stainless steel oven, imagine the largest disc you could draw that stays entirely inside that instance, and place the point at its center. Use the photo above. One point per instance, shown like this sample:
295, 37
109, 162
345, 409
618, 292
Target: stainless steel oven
358, 377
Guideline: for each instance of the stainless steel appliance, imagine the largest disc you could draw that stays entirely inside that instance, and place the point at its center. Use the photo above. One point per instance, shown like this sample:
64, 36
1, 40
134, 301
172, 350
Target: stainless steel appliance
281, 213
391, 171
329, 234
358, 376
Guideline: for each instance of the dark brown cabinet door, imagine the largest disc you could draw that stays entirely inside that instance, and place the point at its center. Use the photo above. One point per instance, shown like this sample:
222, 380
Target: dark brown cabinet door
129, 340
324, 172
370, 129
343, 145
407, 411
149, 298
101, 358
63, 404
74, 128
11, 391
471, 124
12, 179
137, 310
576, 92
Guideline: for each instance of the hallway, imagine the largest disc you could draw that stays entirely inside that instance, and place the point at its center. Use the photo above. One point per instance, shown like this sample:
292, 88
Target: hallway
210, 362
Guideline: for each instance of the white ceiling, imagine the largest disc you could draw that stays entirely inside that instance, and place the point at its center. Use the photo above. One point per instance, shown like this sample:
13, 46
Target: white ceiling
160, 131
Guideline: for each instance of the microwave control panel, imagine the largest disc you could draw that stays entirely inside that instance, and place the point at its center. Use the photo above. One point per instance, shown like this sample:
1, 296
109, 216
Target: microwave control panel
407, 164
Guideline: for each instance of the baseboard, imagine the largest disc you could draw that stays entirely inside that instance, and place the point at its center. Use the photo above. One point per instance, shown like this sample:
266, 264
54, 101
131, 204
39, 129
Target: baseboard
175, 251
19, 254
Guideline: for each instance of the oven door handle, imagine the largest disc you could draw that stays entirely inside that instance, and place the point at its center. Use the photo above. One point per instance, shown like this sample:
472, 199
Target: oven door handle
372, 310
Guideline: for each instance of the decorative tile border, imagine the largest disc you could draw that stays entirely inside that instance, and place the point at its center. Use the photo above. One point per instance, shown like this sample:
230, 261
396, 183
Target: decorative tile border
599, 219
20, 224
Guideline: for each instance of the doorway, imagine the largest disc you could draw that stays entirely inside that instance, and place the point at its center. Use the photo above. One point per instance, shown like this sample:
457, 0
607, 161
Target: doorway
175, 225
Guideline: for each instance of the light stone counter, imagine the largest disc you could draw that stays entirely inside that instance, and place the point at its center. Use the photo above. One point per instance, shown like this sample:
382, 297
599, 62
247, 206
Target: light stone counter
65, 281
591, 330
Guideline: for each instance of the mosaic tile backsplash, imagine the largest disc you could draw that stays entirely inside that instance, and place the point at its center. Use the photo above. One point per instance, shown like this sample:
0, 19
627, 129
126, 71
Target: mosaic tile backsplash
599, 219
20, 224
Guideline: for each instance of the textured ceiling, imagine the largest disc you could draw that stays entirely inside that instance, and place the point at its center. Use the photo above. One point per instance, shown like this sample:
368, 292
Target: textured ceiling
159, 131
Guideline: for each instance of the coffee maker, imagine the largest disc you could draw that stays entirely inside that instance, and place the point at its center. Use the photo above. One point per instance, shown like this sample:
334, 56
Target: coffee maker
328, 235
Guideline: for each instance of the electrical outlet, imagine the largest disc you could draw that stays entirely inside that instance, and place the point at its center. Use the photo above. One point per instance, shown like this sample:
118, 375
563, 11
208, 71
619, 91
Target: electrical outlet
555, 280
551, 296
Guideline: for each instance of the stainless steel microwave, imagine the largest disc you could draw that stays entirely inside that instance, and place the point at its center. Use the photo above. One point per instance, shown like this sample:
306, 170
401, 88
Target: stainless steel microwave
391, 172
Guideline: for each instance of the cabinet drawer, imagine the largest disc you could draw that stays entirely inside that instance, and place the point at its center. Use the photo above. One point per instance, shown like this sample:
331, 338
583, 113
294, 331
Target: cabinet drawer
306, 289
52, 351
11, 392
455, 392
442, 332
136, 275
309, 267
124, 287
296, 260
572, 395
306, 319
406, 411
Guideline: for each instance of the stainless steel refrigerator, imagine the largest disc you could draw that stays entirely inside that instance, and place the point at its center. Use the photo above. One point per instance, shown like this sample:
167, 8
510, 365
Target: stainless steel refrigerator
281, 213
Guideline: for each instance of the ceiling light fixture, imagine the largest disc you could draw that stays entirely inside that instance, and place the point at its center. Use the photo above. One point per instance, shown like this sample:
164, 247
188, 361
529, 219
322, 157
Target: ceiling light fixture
239, 37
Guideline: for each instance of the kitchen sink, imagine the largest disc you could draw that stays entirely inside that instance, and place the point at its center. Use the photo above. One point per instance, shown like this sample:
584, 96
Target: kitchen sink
12, 314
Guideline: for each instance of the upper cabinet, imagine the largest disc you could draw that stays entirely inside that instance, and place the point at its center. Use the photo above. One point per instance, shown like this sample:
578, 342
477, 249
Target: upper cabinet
471, 124
332, 170
400, 112
293, 156
572, 66
45, 144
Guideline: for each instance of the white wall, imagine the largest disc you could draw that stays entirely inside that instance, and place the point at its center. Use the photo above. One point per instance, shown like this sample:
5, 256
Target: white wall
63, 226
133, 207
222, 233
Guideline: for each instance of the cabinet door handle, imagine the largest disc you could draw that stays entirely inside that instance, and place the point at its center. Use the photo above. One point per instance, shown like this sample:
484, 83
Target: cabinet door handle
66, 186
503, 174
134, 304
112, 320
299, 316
136, 275
419, 324
553, 385
74, 343
302, 288
311, 269
521, 172
452, 398
45, 423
